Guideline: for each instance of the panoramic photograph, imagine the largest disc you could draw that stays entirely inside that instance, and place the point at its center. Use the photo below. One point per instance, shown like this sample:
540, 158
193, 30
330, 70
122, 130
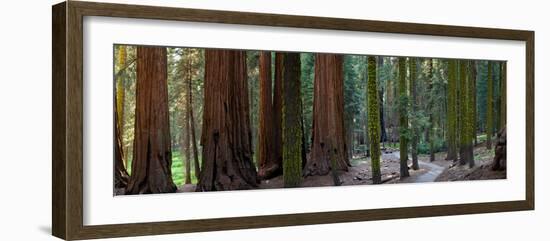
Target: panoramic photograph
200, 119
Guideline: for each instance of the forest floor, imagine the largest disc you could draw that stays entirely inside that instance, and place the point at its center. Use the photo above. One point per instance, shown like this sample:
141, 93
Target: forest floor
359, 173
481, 171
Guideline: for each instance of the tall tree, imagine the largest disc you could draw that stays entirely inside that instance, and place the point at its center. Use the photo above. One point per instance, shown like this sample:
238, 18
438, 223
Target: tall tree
403, 118
292, 125
374, 123
191, 115
414, 121
472, 78
452, 110
471, 111
490, 112
383, 135
474, 104
277, 147
430, 108
186, 142
186, 145
120, 95
186, 117
503, 96
226, 135
267, 163
121, 175
465, 147
329, 142
152, 157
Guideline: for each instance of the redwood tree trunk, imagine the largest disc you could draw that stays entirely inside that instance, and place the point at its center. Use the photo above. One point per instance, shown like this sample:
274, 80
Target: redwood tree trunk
226, 135
329, 142
152, 157
277, 146
267, 163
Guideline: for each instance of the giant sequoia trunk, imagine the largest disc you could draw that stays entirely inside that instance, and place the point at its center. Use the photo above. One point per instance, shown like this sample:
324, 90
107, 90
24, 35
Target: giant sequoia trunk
277, 147
152, 157
328, 149
267, 163
292, 121
226, 135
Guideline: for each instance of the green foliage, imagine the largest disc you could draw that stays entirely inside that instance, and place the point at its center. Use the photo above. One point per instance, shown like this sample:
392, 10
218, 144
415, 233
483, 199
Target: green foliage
439, 145
178, 168
490, 101
307, 76
252, 64
428, 116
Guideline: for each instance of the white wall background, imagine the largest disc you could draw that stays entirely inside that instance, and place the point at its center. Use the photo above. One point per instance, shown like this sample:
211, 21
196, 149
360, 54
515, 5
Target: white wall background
25, 119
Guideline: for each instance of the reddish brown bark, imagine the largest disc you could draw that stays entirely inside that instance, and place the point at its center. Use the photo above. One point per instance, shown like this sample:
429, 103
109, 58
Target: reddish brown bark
152, 157
277, 146
328, 149
267, 163
226, 135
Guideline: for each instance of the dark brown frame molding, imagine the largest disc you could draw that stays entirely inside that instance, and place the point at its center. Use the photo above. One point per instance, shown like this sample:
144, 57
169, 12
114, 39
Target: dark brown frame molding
67, 121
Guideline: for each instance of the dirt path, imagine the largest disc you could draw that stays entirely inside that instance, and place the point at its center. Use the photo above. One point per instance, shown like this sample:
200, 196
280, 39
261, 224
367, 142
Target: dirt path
360, 172
430, 171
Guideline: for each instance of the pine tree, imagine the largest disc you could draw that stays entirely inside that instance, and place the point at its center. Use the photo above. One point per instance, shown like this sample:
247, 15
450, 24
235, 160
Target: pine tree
451, 110
503, 96
490, 111
292, 121
466, 114
414, 122
430, 135
120, 95
403, 118
471, 112
374, 123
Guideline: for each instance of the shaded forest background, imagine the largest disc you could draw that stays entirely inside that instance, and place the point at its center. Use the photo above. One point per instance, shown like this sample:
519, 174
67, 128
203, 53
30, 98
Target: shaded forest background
422, 93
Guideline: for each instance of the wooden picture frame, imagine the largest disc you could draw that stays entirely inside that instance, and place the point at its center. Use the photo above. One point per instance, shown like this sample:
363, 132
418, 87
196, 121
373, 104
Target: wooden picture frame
67, 123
